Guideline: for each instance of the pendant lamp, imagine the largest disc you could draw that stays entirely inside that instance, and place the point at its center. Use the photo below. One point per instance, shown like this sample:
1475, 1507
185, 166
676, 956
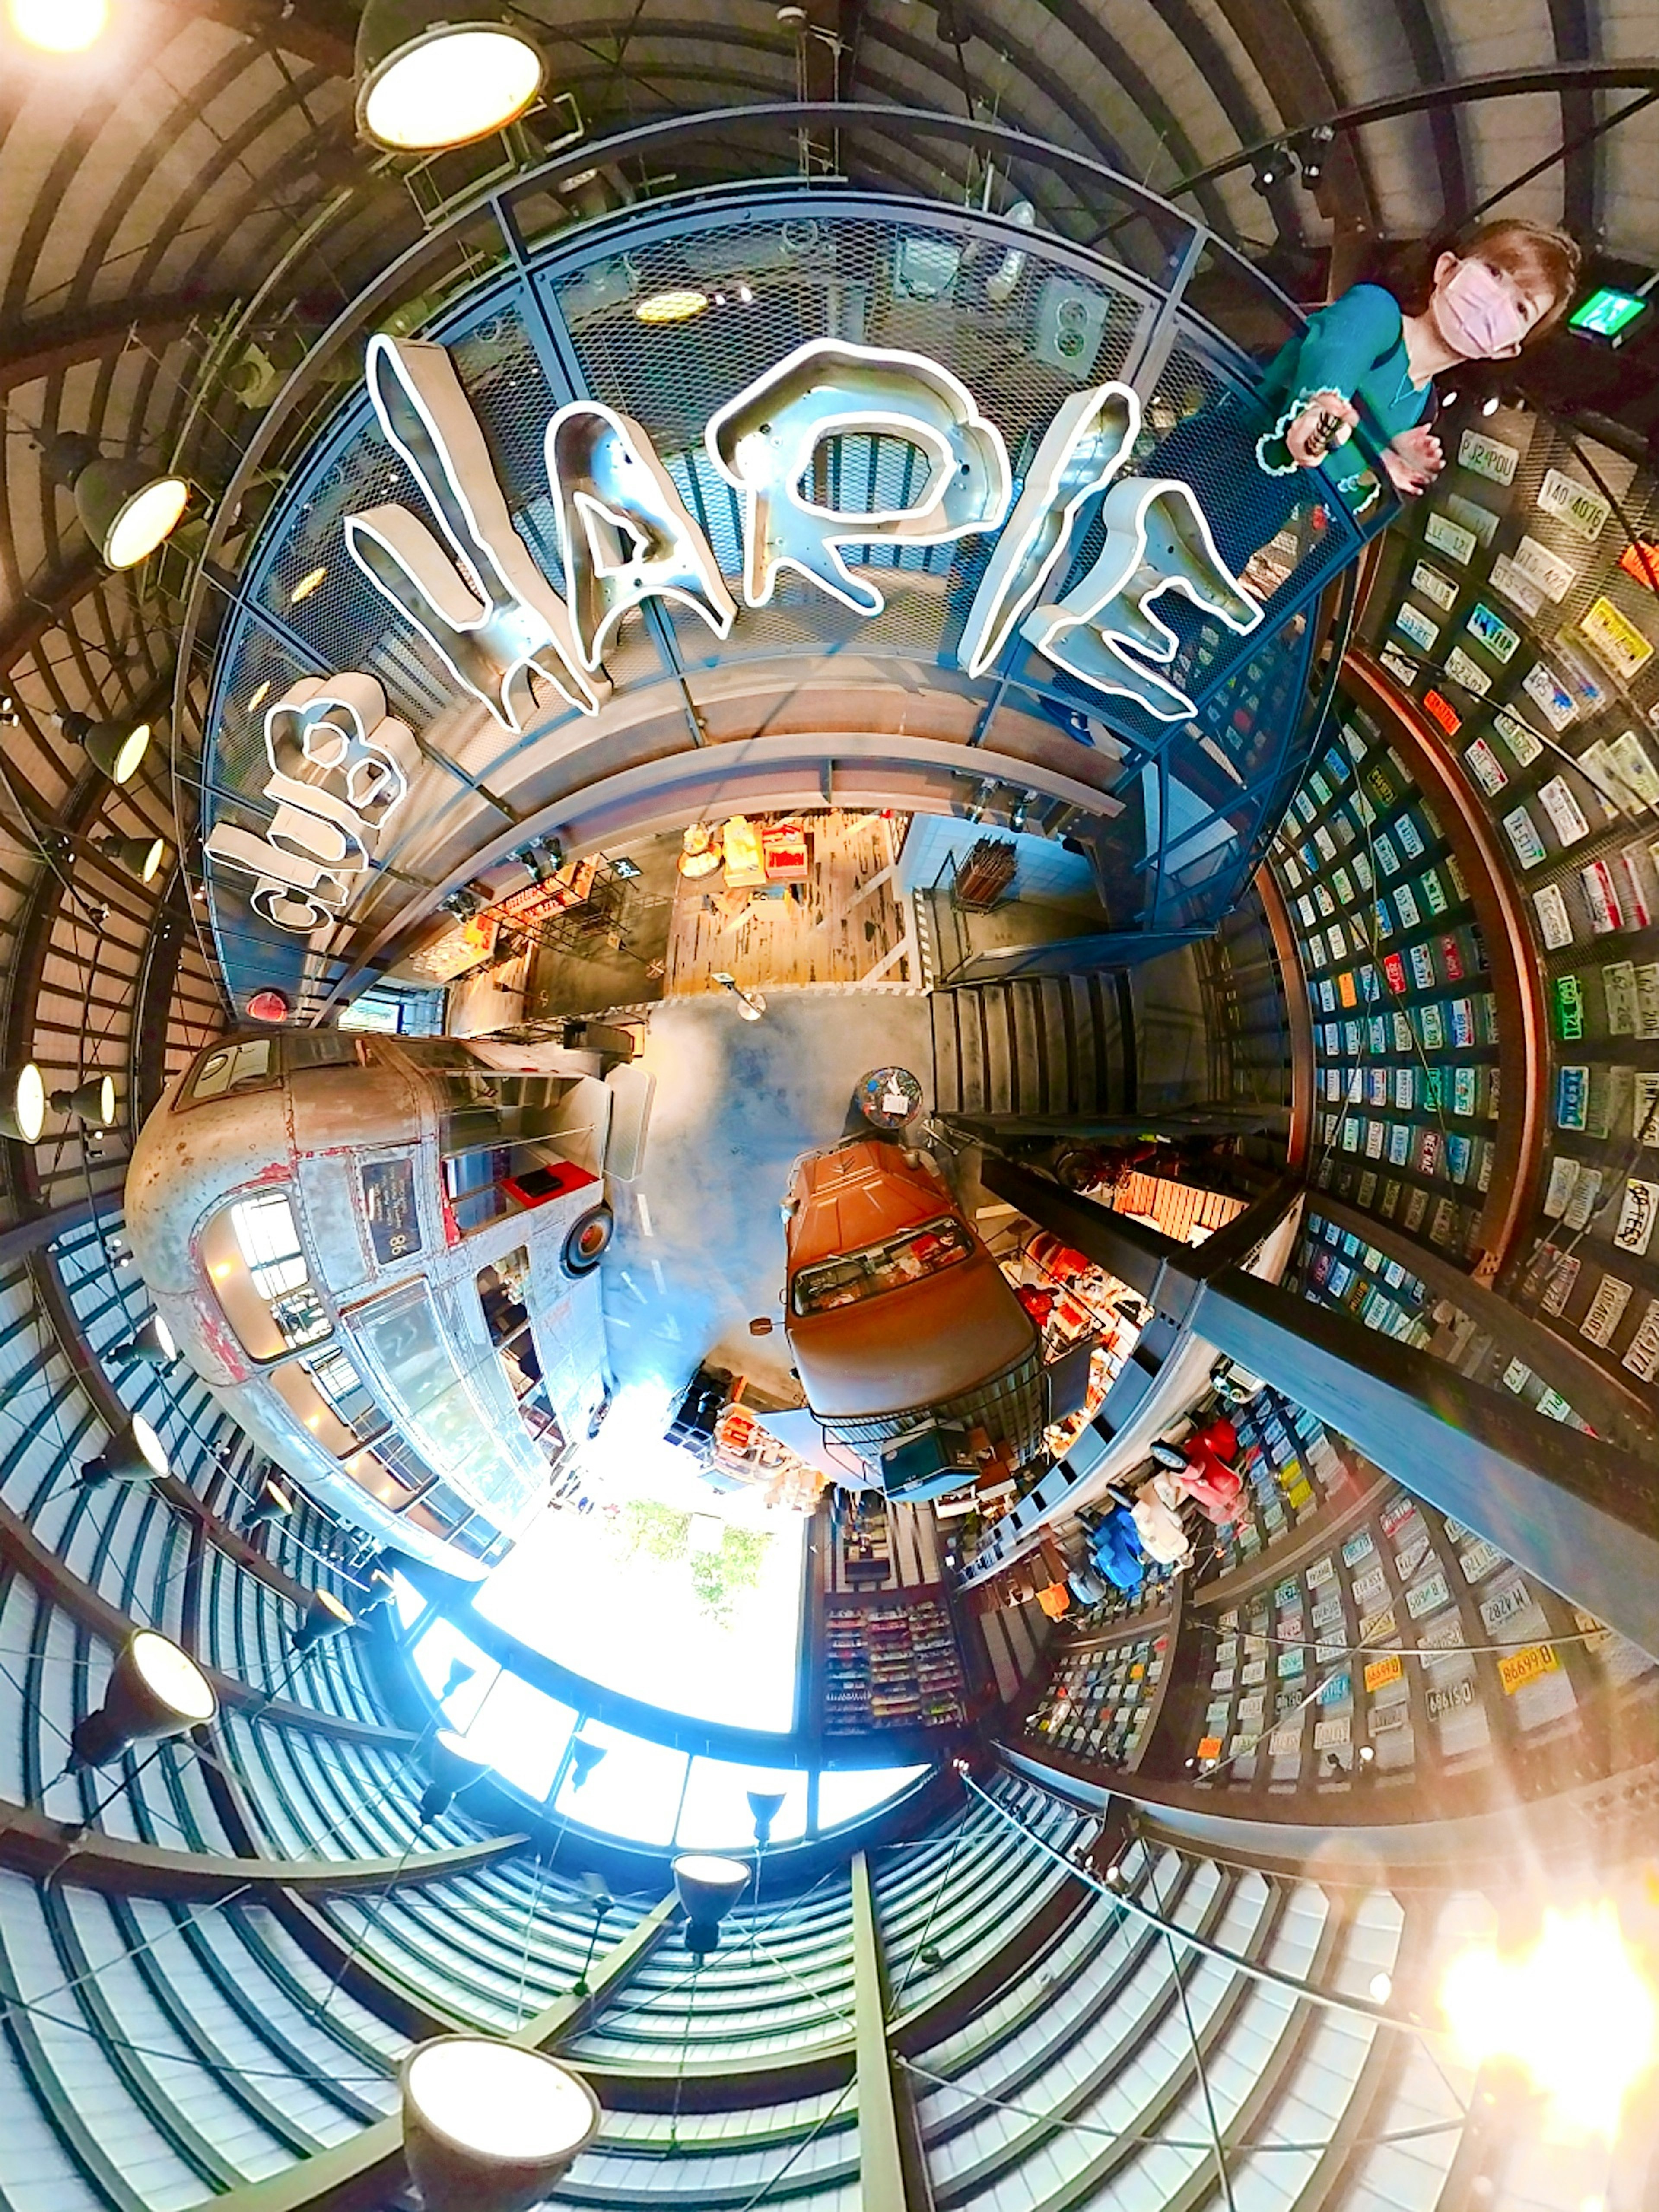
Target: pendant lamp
456, 1765
151, 1346
323, 1617
23, 1102
437, 73
765, 1805
488, 2127
134, 1453
92, 1102
125, 507
708, 1889
155, 1690
273, 1504
117, 748
584, 1758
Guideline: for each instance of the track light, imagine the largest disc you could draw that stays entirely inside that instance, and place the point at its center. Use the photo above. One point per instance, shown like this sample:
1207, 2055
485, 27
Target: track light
152, 1346
488, 2127
23, 1102
323, 1617
136, 856
134, 1453
117, 747
155, 1690
1268, 171
765, 1805
125, 509
273, 1504
708, 1887
92, 1102
437, 73
456, 1765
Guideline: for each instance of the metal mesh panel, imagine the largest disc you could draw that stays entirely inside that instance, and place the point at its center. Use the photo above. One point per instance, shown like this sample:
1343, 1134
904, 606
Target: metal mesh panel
1012, 1408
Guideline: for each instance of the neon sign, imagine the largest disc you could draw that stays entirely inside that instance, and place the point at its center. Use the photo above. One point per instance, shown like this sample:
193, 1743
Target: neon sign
340, 766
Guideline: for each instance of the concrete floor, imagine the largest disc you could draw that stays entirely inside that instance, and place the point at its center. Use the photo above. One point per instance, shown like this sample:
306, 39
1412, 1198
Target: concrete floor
736, 1102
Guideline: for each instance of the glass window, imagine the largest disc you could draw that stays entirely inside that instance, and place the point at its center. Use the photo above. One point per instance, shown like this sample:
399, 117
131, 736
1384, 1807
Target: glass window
634, 1791
224, 1068
297, 1391
848, 1796
523, 1733
716, 1817
444, 1656
251, 1251
887, 1267
409, 1601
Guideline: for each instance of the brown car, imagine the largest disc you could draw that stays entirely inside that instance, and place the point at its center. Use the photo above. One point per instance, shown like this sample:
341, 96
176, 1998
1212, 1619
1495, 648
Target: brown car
896, 1312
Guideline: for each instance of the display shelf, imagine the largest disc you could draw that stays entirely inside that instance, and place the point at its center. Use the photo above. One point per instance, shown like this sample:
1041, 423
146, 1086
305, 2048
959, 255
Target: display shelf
891, 1661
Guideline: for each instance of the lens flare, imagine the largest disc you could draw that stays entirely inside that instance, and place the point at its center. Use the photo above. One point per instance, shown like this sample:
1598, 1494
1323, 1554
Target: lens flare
59, 26
1574, 2012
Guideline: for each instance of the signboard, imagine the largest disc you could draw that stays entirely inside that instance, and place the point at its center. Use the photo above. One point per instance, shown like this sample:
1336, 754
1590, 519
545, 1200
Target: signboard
389, 1208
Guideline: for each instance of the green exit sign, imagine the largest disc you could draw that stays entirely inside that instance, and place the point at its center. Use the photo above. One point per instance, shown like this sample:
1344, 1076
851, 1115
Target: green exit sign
1608, 313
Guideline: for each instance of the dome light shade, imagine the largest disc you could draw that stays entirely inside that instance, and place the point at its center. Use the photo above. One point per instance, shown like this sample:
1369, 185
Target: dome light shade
155, 1689
708, 1889
139, 856
117, 748
125, 507
437, 73
23, 1102
456, 1765
134, 1453
488, 2127
323, 1617
765, 1805
92, 1102
152, 1346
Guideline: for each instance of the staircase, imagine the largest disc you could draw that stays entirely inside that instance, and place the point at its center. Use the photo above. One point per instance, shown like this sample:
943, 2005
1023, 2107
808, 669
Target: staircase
1036, 1052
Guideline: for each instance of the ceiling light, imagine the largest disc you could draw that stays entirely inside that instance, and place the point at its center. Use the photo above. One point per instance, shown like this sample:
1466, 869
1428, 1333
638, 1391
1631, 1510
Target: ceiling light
23, 1102
92, 1102
437, 73
273, 1504
323, 1617
584, 1758
488, 2127
115, 747
139, 856
155, 1690
677, 305
134, 1453
59, 26
258, 697
1381, 1988
125, 507
708, 1889
307, 585
152, 1346
456, 1765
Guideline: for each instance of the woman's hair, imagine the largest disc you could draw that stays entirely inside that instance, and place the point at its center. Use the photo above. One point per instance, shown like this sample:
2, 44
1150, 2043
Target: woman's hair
1527, 251
1532, 255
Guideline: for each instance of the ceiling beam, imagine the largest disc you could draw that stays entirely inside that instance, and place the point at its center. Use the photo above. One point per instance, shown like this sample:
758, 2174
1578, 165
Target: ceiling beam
32, 351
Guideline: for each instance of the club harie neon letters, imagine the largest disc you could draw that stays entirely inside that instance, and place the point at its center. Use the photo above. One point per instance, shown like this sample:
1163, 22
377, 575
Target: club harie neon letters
340, 766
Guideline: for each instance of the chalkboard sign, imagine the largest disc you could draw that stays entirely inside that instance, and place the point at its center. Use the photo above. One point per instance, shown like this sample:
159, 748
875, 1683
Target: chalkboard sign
394, 1226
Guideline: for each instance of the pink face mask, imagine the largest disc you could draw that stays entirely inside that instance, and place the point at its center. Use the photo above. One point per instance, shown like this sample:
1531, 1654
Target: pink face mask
1483, 317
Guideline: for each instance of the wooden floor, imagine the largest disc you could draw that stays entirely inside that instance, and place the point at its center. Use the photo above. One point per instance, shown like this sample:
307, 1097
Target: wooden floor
846, 923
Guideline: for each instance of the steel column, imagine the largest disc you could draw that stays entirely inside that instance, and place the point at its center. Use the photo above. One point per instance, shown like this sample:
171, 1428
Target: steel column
890, 2180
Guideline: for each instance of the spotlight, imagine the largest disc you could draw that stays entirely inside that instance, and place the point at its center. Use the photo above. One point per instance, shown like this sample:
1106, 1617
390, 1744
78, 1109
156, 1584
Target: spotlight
490, 2128
134, 1453
437, 73
152, 1346
23, 1102
456, 1765
125, 509
380, 1594
155, 1691
708, 1889
92, 1102
679, 304
59, 26
273, 1504
136, 856
1268, 171
117, 748
765, 1805
323, 1617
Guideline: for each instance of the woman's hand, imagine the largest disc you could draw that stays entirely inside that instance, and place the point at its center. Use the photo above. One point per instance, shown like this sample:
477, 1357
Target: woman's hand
1307, 441
1413, 460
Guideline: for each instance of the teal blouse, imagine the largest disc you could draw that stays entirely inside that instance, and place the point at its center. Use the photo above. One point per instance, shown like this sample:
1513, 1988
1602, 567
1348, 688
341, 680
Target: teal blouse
1356, 347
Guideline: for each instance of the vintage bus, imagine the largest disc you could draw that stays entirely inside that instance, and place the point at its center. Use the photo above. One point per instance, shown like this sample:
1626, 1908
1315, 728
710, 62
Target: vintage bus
379, 1253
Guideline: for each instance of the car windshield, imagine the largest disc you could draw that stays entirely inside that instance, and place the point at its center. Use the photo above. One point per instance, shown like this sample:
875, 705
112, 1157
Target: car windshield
887, 1266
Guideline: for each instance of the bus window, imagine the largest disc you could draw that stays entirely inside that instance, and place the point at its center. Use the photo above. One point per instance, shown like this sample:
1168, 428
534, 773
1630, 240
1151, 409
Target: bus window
852, 1277
299, 1394
503, 1294
224, 1068
251, 1251
491, 1181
